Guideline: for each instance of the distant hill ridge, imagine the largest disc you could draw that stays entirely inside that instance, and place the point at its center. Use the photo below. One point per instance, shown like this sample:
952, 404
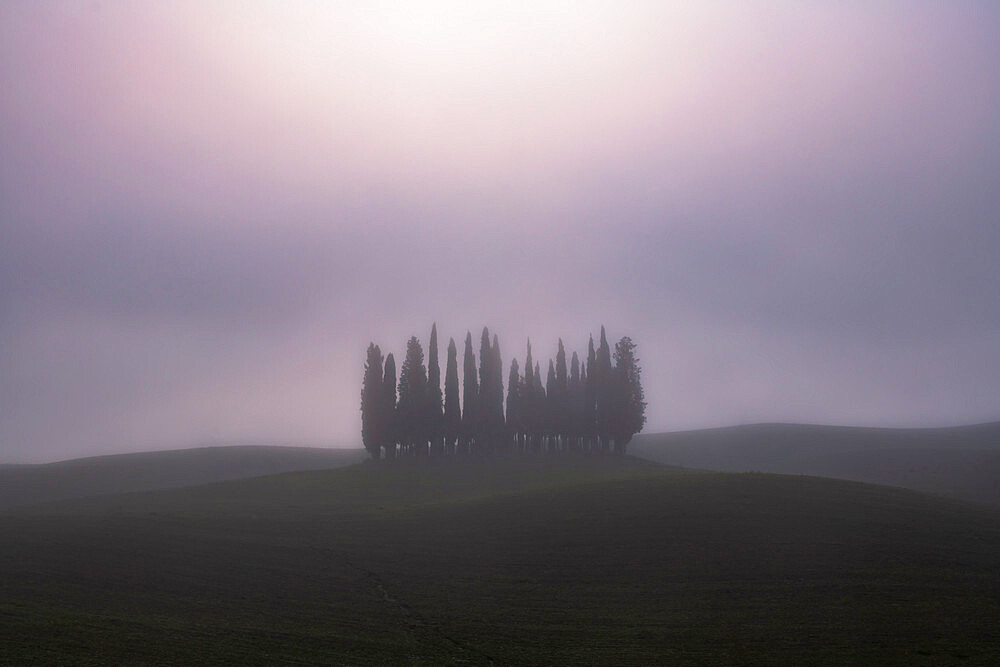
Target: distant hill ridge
144, 471
959, 461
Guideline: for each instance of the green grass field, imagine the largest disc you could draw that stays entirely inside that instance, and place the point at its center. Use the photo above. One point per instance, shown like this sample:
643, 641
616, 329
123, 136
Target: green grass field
549, 560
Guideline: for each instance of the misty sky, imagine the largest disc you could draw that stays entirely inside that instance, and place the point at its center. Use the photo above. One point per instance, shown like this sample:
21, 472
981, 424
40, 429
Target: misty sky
207, 210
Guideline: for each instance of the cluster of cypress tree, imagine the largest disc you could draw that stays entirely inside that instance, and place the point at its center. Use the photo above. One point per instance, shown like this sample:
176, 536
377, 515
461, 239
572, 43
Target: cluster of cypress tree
595, 405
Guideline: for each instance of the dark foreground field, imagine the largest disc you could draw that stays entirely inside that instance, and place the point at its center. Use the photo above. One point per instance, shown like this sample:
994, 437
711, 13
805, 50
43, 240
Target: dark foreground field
555, 561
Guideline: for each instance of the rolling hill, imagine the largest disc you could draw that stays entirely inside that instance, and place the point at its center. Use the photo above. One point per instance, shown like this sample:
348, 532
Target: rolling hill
552, 560
26, 484
962, 462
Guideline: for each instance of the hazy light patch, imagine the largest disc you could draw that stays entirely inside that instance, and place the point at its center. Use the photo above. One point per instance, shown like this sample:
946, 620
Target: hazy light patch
208, 210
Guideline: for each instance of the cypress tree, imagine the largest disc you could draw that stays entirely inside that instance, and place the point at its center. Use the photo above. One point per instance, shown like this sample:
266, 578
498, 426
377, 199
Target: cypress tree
413, 397
371, 396
528, 409
574, 401
629, 401
584, 438
514, 427
434, 425
390, 421
551, 396
561, 398
484, 425
604, 394
538, 400
496, 419
590, 397
470, 397
452, 411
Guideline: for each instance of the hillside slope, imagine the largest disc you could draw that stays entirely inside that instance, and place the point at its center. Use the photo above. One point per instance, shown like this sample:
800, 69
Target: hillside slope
598, 560
26, 484
962, 462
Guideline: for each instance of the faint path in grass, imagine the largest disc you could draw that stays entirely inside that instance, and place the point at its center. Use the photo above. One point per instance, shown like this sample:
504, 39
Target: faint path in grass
415, 621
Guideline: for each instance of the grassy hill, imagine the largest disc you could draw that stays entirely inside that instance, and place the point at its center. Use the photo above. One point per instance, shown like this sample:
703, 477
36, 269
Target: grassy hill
25, 484
549, 560
962, 462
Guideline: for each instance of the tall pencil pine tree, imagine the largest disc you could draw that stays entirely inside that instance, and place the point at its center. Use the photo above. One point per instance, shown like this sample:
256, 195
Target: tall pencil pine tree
551, 396
484, 424
629, 402
514, 427
590, 398
574, 403
470, 397
528, 406
371, 395
435, 421
560, 402
605, 392
538, 400
452, 410
390, 420
496, 419
413, 397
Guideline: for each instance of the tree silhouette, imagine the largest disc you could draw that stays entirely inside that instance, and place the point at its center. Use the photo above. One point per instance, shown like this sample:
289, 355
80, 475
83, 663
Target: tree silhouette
529, 409
452, 411
560, 400
574, 404
371, 396
551, 394
490, 420
605, 395
495, 420
514, 426
390, 421
629, 403
434, 416
590, 398
412, 398
581, 406
538, 401
470, 397
484, 390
